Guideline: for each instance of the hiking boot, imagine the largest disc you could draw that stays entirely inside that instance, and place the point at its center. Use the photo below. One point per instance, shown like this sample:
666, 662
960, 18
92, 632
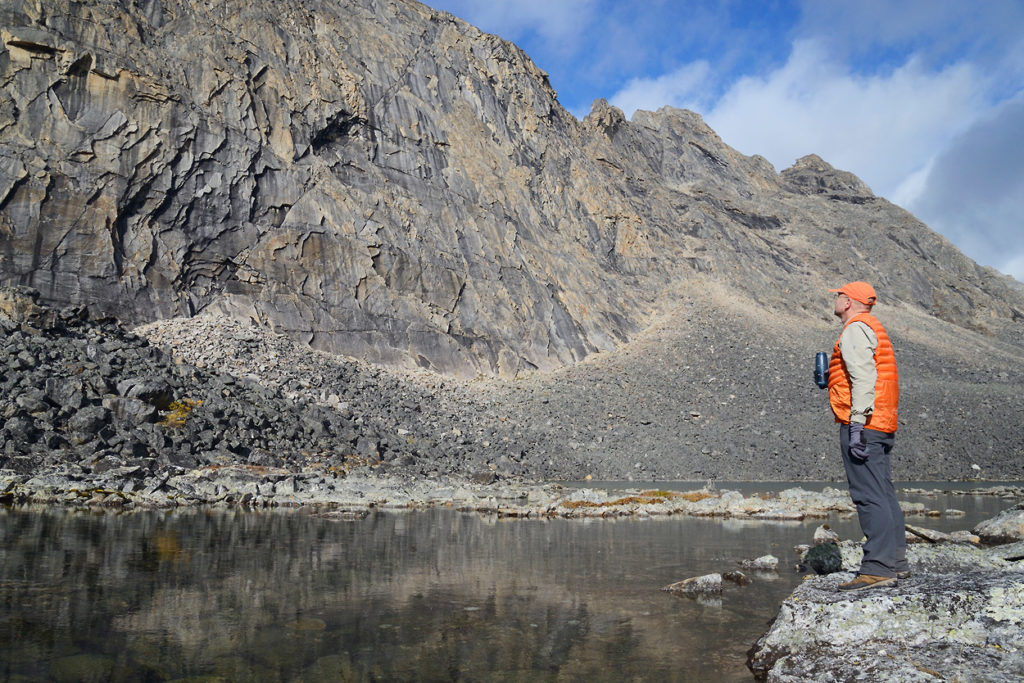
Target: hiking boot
867, 581
905, 574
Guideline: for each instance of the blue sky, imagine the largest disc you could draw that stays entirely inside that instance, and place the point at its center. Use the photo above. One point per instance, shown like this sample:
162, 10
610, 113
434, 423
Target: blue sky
922, 99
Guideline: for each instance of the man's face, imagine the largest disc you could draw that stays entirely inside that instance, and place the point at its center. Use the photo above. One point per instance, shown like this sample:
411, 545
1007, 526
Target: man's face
842, 304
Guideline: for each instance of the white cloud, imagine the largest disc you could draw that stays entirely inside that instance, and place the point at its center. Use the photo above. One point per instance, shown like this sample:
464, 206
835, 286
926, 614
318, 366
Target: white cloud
974, 192
883, 127
911, 132
938, 30
912, 187
682, 88
558, 22
1013, 266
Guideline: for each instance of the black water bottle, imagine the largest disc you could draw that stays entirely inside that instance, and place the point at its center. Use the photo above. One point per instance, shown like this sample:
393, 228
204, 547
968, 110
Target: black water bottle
821, 369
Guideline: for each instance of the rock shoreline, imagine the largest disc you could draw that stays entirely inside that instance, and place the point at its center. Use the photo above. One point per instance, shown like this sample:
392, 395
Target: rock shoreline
136, 487
960, 616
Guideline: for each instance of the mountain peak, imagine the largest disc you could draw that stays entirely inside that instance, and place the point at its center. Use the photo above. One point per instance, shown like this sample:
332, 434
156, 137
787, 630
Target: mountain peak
387, 182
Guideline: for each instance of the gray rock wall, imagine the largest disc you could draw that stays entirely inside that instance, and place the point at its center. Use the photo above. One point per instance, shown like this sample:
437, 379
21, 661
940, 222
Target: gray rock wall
386, 181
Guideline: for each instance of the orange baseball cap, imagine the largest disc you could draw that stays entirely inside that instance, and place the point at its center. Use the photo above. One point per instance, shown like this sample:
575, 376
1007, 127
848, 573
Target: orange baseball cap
859, 291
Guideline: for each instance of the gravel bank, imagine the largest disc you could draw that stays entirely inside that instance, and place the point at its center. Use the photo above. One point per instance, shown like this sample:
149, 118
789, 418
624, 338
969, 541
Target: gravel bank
714, 390
710, 393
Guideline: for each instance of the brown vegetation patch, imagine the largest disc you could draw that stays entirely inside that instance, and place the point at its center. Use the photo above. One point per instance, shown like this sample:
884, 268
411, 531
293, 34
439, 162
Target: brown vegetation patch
642, 498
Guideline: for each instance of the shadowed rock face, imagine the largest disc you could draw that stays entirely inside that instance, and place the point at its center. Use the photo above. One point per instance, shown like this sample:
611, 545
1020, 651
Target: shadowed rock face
383, 180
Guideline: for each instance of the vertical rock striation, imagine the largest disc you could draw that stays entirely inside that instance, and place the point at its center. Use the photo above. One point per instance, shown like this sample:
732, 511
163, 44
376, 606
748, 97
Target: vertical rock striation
379, 179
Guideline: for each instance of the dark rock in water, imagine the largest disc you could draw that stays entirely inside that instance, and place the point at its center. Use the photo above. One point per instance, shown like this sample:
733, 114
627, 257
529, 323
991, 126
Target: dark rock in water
739, 578
823, 558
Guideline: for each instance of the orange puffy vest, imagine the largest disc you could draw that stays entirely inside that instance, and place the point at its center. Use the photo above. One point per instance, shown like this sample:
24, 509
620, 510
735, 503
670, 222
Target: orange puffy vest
887, 385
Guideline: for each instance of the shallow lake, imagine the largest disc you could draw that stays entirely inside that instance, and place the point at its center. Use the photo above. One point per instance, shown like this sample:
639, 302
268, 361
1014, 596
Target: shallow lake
430, 595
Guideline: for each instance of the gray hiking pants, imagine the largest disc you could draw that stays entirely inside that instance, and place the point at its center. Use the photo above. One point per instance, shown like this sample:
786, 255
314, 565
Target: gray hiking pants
878, 509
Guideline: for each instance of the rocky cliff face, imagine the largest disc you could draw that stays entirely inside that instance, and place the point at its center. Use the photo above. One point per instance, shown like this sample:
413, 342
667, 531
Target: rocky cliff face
379, 179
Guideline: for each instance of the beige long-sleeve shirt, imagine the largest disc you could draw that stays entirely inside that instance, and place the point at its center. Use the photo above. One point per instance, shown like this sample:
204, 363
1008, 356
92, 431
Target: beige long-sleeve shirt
857, 345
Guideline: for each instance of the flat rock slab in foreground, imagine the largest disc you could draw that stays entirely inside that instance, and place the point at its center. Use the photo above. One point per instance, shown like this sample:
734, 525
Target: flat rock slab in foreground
965, 626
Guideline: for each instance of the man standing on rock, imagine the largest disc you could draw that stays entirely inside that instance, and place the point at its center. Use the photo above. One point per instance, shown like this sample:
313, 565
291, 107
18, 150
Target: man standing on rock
863, 389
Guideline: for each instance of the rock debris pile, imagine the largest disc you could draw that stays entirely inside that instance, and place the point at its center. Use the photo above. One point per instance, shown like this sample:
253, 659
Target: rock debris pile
83, 399
419, 423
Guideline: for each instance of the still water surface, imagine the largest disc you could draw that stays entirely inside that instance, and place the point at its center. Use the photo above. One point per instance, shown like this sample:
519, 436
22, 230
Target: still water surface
432, 595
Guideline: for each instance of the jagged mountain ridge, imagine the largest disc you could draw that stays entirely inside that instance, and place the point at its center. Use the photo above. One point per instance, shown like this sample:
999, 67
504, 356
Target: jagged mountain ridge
386, 181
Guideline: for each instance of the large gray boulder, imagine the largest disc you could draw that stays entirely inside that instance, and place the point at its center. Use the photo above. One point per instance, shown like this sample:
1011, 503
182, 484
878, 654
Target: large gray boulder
948, 621
1006, 527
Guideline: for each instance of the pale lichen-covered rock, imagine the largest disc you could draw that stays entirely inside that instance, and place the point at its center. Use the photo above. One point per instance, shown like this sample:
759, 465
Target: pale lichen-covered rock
708, 584
916, 534
953, 624
765, 563
949, 556
825, 534
959, 616
829, 499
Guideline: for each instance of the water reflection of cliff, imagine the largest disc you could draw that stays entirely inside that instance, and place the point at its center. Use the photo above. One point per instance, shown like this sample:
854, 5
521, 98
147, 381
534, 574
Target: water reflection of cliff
427, 595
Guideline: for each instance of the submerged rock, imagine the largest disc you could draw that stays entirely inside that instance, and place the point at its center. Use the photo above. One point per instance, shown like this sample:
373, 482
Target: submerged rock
709, 584
739, 578
765, 563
